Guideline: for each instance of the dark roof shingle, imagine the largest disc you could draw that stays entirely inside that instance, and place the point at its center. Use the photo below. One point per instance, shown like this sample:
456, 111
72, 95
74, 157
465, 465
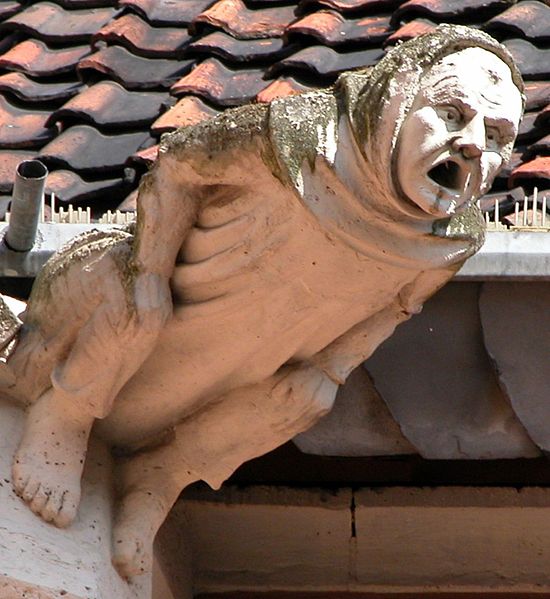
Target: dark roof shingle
101, 75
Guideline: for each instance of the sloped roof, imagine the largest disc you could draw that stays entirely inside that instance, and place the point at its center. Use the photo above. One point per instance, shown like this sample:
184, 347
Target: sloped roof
88, 86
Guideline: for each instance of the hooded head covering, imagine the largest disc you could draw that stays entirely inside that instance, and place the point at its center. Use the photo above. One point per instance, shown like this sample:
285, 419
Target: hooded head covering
354, 129
378, 101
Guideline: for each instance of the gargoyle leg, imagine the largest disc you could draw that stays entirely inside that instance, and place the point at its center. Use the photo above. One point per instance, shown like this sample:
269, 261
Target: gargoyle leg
244, 424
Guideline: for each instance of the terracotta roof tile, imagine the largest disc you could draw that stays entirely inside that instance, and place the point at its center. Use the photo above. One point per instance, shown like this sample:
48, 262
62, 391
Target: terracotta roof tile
410, 30
450, 10
326, 61
31, 91
23, 128
168, 12
540, 147
516, 159
538, 168
148, 48
33, 57
108, 104
284, 86
85, 3
129, 204
145, 157
534, 63
144, 39
538, 94
9, 8
7, 41
134, 72
530, 18
233, 50
220, 84
9, 159
188, 111
70, 188
349, 6
333, 29
85, 150
543, 118
528, 129
53, 23
235, 18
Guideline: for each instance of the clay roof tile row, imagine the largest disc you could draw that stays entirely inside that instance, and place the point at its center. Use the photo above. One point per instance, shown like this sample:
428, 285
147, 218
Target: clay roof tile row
90, 85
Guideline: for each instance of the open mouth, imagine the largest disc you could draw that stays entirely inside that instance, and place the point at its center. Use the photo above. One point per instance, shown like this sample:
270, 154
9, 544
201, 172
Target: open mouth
448, 174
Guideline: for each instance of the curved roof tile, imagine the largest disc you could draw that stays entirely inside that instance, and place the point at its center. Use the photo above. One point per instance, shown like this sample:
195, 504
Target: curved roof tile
533, 62
23, 128
9, 159
334, 29
540, 147
28, 90
188, 111
234, 17
227, 47
538, 168
84, 149
144, 39
530, 18
350, 6
135, 72
449, 9
34, 57
220, 84
68, 187
168, 12
108, 104
284, 86
411, 29
326, 61
52, 23
9, 8
537, 94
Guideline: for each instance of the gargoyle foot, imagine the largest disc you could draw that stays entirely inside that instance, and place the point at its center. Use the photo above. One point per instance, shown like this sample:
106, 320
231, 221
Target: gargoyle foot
150, 482
48, 463
139, 516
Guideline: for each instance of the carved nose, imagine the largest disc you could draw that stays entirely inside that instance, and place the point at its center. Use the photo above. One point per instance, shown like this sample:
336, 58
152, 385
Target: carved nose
471, 140
468, 149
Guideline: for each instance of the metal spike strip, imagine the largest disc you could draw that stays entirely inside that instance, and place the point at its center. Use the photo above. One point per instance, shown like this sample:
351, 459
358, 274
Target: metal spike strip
527, 216
79, 216
537, 221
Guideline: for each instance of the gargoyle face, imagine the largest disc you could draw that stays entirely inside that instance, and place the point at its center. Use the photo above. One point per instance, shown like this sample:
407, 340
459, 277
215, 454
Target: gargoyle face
459, 131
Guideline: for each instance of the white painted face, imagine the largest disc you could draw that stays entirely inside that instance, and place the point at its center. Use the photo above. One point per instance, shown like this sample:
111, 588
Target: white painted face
463, 121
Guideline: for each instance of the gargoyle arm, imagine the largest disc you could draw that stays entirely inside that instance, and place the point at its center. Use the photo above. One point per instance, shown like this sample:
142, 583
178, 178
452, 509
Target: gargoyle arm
347, 352
196, 166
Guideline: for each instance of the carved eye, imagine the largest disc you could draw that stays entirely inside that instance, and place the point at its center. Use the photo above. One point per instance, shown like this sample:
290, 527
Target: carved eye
451, 115
493, 138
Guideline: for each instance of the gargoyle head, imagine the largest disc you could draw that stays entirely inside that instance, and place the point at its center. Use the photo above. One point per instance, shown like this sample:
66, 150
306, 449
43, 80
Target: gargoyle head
437, 118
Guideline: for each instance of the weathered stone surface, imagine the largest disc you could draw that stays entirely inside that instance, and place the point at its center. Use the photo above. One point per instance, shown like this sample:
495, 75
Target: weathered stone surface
436, 378
393, 540
256, 550
453, 539
516, 329
359, 424
40, 561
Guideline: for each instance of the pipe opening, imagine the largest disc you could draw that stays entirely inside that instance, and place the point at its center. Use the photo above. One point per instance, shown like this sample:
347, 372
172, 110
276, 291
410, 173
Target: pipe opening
32, 169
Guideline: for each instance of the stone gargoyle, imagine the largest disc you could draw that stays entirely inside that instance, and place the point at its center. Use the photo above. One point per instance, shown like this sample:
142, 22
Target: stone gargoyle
276, 246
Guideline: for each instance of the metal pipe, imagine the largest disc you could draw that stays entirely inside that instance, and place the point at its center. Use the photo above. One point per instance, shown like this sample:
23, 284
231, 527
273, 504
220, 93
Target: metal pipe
28, 192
